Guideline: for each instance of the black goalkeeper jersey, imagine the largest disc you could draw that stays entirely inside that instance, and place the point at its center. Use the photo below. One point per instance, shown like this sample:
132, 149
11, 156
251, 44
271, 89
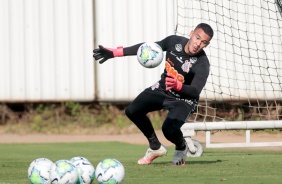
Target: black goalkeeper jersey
192, 71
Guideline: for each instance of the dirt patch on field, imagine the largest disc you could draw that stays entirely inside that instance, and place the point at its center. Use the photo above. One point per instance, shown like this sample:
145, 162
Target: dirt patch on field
138, 138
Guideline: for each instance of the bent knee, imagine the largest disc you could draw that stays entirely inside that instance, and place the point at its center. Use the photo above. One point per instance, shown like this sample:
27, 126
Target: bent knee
167, 128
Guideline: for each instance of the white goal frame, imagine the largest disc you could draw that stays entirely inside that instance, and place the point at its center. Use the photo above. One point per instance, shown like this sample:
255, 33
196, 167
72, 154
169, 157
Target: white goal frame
190, 128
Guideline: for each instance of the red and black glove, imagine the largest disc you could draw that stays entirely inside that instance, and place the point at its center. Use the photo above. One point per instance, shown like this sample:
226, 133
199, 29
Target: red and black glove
171, 82
103, 54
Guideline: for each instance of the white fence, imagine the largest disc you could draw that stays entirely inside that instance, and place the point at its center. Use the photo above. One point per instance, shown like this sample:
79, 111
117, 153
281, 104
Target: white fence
46, 48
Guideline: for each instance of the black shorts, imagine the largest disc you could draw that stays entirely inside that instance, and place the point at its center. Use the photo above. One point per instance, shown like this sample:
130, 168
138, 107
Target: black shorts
153, 99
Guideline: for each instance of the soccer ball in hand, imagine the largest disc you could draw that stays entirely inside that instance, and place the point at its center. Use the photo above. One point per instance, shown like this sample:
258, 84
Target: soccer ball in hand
86, 171
109, 171
150, 55
63, 171
39, 171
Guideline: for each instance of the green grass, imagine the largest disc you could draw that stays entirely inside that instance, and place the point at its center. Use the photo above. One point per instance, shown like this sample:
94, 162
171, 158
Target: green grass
215, 166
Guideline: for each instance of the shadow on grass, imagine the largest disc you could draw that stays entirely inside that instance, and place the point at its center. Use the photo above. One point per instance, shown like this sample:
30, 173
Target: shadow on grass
204, 162
190, 162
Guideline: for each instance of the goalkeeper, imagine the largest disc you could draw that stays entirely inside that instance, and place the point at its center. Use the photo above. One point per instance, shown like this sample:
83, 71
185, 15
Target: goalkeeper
185, 74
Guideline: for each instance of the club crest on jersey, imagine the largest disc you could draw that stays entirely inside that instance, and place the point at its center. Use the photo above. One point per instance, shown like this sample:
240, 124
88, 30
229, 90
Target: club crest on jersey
193, 59
178, 47
186, 66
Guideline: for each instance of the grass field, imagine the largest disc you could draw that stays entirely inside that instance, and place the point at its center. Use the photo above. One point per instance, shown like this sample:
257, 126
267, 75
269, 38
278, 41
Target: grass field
215, 166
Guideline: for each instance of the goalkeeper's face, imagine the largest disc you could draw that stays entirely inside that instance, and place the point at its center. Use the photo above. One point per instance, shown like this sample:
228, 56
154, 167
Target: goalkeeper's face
198, 40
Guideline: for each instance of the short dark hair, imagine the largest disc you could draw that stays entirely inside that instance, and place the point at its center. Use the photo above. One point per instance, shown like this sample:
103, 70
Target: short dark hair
206, 28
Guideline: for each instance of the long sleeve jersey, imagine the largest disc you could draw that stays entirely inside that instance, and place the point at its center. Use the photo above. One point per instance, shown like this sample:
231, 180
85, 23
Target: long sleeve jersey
192, 71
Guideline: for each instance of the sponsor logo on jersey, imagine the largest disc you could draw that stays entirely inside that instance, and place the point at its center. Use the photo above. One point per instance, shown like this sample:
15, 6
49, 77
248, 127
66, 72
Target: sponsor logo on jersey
170, 69
173, 54
170, 62
190, 102
174, 94
193, 59
186, 66
178, 47
178, 58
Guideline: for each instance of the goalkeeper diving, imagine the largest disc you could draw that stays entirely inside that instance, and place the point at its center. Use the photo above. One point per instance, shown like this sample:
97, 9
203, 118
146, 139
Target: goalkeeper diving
178, 90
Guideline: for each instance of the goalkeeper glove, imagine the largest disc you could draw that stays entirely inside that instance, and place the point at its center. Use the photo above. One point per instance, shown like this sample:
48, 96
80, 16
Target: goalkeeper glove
171, 82
103, 54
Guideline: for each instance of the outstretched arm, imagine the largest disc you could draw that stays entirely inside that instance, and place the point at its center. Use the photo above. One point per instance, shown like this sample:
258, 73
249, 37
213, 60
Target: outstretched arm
102, 54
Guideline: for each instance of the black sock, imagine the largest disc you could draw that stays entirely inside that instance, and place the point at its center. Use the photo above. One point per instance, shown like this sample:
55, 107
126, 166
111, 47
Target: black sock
182, 146
154, 142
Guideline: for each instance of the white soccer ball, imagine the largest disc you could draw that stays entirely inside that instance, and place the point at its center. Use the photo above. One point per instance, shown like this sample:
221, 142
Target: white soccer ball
109, 171
150, 55
86, 171
39, 171
74, 159
63, 171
